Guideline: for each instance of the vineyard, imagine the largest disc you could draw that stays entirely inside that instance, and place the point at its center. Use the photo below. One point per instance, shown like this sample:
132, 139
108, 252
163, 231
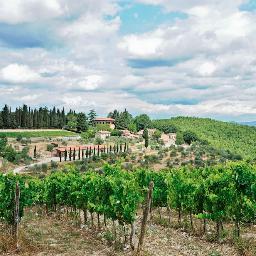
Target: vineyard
222, 195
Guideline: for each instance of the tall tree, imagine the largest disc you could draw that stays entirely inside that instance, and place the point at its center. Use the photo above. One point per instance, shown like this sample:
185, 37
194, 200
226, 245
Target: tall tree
82, 123
92, 114
6, 117
145, 136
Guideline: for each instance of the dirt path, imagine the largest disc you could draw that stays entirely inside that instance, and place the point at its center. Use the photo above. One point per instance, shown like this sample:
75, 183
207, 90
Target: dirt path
42, 161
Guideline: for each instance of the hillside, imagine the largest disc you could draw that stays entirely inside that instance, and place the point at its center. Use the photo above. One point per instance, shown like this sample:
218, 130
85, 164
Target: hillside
240, 139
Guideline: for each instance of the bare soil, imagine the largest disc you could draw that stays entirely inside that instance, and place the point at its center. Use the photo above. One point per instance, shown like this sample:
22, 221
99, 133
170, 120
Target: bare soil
42, 235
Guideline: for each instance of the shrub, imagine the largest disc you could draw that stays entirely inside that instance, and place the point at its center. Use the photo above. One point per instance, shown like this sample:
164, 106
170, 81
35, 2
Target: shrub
99, 141
116, 132
19, 137
54, 164
49, 147
104, 156
44, 167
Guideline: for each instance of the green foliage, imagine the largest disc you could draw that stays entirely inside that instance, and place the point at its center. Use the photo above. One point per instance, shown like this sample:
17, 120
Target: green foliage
236, 138
221, 193
179, 138
157, 135
166, 128
72, 121
82, 123
123, 120
146, 137
189, 137
49, 147
99, 141
116, 132
19, 137
91, 116
89, 134
103, 127
142, 121
10, 154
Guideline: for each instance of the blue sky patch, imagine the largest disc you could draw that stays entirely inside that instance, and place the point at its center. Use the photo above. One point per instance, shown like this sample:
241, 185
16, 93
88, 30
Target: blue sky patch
142, 63
140, 18
249, 6
26, 36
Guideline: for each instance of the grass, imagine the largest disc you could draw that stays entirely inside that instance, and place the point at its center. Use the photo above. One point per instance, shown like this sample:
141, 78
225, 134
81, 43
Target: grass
39, 133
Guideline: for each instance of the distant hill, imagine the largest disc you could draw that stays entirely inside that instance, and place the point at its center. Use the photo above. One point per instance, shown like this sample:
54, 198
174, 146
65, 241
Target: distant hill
249, 123
237, 138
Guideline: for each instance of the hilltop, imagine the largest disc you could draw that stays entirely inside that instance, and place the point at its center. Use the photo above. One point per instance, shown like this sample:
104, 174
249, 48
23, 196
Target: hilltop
240, 139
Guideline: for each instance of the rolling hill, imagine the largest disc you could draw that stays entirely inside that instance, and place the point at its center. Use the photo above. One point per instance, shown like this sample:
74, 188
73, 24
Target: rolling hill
240, 139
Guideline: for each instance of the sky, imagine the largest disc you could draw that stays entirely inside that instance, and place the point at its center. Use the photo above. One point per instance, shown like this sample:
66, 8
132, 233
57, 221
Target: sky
160, 57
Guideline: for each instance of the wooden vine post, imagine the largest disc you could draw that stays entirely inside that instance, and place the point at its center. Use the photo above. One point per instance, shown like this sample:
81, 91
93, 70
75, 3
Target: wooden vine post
145, 216
17, 215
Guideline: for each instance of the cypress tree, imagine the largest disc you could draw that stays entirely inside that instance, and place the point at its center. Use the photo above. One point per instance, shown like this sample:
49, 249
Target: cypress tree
6, 117
66, 153
74, 154
145, 136
35, 152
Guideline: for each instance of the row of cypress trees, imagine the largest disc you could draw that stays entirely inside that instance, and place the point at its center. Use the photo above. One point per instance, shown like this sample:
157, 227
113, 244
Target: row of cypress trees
26, 117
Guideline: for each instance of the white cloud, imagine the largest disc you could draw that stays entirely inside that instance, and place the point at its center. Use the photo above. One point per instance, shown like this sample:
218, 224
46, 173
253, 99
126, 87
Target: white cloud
142, 46
91, 82
18, 11
15, 73
206, 69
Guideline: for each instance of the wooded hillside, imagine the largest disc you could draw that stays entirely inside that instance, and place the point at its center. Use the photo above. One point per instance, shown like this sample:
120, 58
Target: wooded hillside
237, 138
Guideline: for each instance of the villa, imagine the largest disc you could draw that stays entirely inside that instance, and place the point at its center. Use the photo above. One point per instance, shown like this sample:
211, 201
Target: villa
105, 120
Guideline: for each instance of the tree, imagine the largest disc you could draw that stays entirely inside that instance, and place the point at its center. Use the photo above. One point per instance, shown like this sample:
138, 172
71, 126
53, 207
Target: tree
145, 136
115, 114
6, 117
72, 121
157, 135
168, 128
189, 137
1, 121
92, 114
123, 120
82, 124
142, 121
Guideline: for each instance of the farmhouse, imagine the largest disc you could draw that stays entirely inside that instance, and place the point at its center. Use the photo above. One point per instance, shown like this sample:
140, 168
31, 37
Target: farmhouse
105, 120
169, 139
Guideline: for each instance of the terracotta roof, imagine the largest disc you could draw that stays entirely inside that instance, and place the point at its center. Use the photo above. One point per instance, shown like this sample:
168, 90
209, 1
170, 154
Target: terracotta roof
104, 119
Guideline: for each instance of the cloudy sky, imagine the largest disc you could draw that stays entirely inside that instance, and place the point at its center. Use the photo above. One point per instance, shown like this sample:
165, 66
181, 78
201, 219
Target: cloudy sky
160, 57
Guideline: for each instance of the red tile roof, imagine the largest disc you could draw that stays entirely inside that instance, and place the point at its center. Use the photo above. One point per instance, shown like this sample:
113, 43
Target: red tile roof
104, 119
